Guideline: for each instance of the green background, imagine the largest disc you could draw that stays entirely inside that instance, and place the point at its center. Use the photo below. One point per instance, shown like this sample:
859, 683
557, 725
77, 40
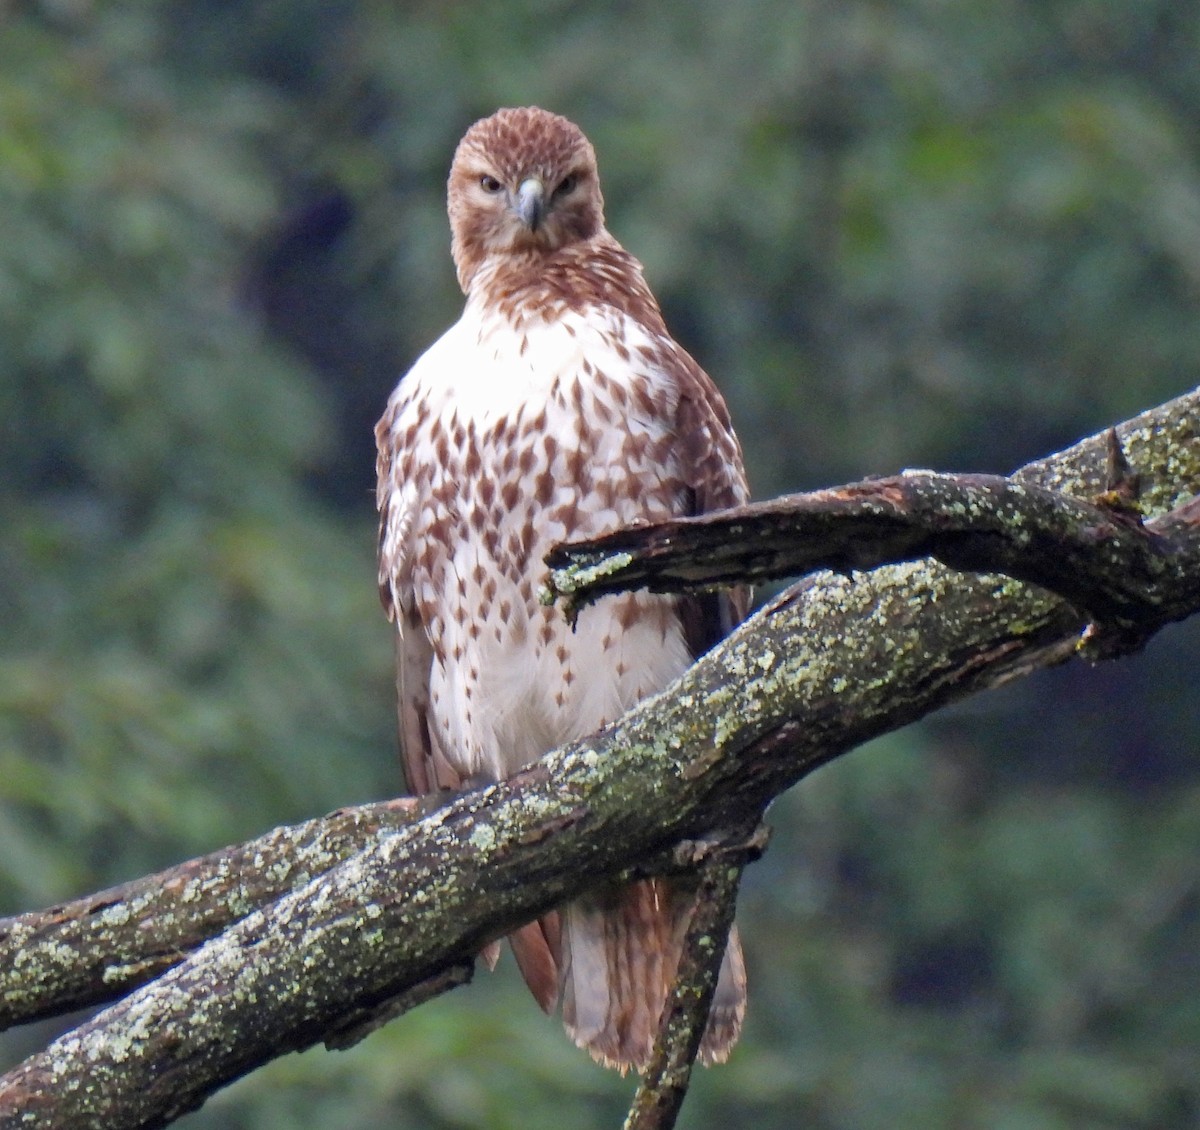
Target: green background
916, 233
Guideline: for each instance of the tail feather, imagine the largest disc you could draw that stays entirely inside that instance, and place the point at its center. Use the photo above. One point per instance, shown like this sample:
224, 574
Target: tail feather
728, 1004
535, 946
620, 952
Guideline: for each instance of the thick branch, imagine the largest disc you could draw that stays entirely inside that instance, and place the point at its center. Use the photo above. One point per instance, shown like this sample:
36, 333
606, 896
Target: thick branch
97, 948
824, 667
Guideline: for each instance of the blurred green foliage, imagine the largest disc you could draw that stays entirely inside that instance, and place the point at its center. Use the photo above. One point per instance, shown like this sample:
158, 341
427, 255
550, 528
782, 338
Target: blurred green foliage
908, 234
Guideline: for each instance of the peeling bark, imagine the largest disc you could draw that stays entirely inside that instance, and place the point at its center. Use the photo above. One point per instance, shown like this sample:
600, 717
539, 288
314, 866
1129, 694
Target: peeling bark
834, 661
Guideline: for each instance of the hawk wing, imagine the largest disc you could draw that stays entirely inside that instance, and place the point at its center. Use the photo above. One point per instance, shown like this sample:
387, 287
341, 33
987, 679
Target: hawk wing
426, 769
711, 464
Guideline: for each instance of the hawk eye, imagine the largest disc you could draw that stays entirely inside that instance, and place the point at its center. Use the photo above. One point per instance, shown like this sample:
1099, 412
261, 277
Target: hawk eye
489, 183
566, 185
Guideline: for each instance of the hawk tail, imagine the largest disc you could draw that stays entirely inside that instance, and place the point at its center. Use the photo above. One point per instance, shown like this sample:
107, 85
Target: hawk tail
535, 947
620, 951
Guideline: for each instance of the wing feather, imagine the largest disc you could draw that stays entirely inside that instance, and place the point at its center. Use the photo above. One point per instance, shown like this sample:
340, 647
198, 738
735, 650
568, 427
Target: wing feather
426, 769
710, 462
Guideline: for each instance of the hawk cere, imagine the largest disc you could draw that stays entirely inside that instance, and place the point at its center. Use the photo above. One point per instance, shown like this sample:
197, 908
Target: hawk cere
557, 407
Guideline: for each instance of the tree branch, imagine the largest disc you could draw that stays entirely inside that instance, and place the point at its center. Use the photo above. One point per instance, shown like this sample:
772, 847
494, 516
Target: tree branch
97, 948
1098, 556
664, 1086
822, 668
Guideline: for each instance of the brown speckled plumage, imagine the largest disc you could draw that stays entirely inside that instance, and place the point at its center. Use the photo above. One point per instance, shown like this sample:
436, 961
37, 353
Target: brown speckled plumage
557, 407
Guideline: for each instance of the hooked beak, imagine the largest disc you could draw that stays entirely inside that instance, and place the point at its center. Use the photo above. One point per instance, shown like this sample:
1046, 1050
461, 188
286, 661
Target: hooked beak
531, 203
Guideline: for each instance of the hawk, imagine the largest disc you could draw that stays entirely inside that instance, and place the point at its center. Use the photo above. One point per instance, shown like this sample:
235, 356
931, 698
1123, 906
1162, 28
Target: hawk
557, 407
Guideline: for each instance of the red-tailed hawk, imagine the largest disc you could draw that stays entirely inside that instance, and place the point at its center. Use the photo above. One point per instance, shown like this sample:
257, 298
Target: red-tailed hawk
557, 407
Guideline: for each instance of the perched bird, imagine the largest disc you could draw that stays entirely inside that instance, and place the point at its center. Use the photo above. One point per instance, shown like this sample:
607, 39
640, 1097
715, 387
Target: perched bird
557, 407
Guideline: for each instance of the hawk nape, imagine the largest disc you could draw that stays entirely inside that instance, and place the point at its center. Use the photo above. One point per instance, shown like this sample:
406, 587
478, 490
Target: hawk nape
557, 407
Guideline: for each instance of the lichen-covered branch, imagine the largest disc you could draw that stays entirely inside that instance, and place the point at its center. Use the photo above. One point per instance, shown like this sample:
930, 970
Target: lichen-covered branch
97, 948
827, 665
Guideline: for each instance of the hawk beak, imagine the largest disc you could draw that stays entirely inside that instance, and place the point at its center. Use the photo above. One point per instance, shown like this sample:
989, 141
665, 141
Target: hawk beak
531, 203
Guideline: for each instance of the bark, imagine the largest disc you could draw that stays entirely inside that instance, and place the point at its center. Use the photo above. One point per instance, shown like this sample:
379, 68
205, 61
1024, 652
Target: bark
834, 661
97, 948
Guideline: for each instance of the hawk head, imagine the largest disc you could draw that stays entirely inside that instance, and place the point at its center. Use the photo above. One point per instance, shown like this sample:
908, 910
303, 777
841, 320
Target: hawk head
523, 183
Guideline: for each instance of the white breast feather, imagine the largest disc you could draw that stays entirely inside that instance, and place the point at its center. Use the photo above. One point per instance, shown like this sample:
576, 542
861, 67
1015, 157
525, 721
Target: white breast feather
499, 703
